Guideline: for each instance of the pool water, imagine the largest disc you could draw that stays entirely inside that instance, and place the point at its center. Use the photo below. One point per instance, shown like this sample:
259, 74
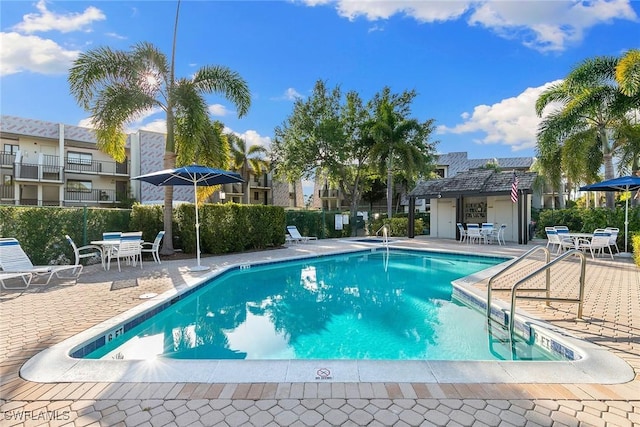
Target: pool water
393, 305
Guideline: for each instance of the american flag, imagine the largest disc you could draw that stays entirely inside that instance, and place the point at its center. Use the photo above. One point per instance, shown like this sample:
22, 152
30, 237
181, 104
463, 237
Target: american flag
514, 188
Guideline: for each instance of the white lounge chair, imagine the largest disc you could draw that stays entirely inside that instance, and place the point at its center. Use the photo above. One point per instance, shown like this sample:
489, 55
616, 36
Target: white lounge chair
613, 240
154, 248
13, 259
26, 278
296, 236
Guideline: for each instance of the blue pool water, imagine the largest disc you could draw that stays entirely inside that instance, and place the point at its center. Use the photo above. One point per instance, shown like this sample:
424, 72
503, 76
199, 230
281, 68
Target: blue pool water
395, 305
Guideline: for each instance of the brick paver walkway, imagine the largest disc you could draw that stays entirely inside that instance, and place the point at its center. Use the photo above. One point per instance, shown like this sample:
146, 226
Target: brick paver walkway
34, 319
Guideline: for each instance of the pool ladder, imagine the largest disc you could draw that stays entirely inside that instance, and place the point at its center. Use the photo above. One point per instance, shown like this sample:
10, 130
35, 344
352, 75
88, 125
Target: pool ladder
546, 269
385, 234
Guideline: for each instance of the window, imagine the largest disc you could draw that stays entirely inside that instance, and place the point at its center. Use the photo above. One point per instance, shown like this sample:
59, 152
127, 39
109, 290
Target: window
82, 186
440, 172
79, 158
256, 195
10, 148
7, 179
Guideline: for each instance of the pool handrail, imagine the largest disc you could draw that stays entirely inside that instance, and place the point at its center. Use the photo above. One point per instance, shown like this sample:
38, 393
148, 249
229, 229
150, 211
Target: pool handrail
509, 267
546, 267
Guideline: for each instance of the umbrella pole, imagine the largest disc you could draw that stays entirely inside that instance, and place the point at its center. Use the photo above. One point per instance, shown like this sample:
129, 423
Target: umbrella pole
198, 267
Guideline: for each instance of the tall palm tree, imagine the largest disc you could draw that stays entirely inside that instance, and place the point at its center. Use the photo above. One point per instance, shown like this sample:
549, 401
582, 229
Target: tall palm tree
116, 87
400, 142
628, 74
591, 103
247, 160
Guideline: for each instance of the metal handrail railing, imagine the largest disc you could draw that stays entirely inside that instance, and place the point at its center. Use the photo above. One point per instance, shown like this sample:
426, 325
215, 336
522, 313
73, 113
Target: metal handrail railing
385, 234
509, 267
548, 298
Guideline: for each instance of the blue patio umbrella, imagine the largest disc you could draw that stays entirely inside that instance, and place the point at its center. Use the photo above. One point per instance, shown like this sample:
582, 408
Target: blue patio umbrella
623, 183
194, 175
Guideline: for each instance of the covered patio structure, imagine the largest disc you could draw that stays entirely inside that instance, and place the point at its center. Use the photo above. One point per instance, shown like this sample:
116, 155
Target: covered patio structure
476, 196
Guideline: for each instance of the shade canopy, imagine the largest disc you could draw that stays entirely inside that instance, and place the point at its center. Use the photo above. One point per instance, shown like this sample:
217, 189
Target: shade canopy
194, 175
190, 175
623, 183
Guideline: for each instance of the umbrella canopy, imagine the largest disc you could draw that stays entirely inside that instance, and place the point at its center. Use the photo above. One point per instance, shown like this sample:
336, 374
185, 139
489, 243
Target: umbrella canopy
623, 183
195, 175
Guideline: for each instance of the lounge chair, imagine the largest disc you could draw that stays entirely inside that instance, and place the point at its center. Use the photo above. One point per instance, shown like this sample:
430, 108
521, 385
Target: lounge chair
296, 236
13, 259
613, 240
26, 278
553, 239
154, 248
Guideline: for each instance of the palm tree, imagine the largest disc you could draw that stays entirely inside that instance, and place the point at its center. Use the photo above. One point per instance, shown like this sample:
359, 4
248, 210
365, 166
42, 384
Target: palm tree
116, 87
591, 105
400, 143
628, 74
247, 160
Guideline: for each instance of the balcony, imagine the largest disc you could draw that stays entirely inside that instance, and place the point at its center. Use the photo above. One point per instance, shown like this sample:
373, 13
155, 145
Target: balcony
7, 158
95, 167
73, 195
7, 192
48, 170
261, 183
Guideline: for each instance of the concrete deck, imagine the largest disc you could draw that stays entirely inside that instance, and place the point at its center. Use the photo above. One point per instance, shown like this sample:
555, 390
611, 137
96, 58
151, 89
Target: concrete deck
41, 316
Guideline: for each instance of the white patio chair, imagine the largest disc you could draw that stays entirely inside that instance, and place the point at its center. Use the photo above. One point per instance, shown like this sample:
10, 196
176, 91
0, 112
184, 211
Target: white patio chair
13, 259
87, 251
613, 240
487, 230
553, 239
463, 232
598, 243
154, 248
473, 233
130, 248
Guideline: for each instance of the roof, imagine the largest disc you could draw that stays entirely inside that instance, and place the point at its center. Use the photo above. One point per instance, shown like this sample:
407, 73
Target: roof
457, 162
481, 182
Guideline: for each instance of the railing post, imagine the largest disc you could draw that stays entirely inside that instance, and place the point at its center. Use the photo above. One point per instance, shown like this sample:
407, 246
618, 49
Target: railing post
84, 225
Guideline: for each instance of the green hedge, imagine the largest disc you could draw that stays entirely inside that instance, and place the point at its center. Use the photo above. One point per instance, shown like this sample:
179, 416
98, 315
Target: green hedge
223, 228
399, 226
586, 220
41, 230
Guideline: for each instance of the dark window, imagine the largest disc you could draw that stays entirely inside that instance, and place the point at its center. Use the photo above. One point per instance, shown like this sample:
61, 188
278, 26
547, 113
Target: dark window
82, 186
79, 158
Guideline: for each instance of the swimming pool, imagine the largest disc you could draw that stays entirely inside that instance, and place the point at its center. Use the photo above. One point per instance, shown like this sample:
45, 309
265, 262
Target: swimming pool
387, 305
593, 364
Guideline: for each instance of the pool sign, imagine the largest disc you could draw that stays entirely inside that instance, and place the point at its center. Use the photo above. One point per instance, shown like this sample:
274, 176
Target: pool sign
323, 374
113, 334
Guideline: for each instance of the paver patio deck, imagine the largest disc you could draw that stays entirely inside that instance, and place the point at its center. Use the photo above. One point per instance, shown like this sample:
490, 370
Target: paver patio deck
41, 316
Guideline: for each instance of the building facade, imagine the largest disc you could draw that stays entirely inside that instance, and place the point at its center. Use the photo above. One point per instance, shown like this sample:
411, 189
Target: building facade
53, 164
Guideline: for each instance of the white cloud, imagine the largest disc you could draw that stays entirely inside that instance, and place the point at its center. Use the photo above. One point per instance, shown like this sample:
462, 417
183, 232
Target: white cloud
31, 53
289, 95
252, 137
45, 20
512, 121
218, 110
540, 25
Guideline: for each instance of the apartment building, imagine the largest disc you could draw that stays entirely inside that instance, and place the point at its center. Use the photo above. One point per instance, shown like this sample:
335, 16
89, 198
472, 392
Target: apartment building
54, 164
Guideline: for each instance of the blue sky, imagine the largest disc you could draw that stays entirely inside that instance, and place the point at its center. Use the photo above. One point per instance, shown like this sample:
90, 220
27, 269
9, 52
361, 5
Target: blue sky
477, 66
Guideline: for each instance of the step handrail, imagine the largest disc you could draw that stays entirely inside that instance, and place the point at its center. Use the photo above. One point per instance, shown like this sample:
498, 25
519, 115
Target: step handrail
385, 234
509, 267
546, 267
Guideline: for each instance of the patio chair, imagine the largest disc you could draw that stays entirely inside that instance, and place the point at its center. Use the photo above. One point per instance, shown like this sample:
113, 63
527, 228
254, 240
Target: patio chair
26, 278
130, 248
473, 233
487, 231
463, 232
296, 236
613, 240
553, 239
598, 243
154, 248
87, 251
13, 259
500, 234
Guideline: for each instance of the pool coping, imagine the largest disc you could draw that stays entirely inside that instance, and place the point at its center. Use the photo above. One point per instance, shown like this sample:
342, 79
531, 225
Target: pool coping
595, 364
